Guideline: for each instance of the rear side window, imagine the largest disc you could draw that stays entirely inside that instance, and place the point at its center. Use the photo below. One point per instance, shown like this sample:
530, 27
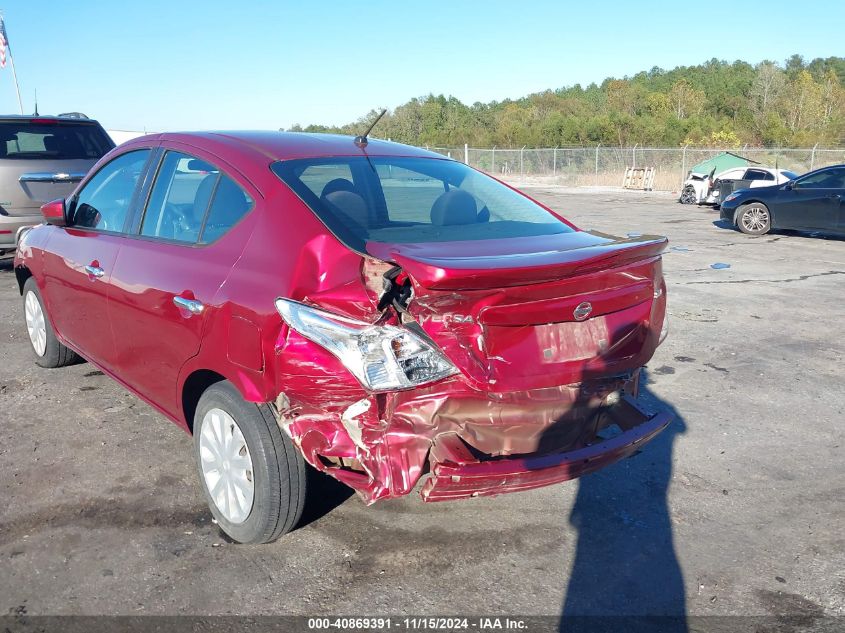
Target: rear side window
229, 205
403, 199
104, 200
758, 174
192, 201
56, 141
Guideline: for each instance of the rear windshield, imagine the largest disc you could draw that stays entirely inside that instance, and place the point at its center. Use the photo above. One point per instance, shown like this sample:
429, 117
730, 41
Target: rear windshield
400, 200
60, 140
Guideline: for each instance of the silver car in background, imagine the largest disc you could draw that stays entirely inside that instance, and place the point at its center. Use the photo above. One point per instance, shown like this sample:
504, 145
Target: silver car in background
42, 158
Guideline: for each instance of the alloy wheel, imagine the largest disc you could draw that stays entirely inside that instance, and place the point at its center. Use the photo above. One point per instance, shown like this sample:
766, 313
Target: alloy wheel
755, 218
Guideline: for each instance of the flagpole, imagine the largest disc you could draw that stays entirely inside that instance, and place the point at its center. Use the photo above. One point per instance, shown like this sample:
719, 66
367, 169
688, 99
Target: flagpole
15, 75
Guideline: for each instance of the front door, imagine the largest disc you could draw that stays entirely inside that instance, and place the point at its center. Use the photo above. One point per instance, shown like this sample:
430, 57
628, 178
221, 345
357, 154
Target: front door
168, 273
814, 202
79, 263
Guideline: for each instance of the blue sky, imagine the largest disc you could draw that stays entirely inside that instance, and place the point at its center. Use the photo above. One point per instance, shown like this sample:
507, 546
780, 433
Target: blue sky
168, 65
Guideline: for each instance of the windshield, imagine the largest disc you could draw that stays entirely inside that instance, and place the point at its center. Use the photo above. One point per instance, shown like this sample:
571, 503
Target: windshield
791, 175
53, 140
400, 200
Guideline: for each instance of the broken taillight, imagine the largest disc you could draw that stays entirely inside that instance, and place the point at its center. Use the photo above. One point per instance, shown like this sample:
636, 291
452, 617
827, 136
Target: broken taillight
381, 357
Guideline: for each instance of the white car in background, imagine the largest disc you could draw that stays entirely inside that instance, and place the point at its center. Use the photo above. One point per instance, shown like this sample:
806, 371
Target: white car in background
704, 188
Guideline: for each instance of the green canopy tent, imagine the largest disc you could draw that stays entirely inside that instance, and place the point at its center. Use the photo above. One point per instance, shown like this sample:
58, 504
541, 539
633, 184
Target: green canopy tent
720, 163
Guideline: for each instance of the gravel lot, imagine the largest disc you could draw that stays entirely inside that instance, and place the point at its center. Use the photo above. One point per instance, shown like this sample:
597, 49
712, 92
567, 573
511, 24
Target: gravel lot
737, 509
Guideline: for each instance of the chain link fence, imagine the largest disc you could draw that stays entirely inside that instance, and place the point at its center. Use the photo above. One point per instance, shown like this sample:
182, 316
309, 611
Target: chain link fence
605, 166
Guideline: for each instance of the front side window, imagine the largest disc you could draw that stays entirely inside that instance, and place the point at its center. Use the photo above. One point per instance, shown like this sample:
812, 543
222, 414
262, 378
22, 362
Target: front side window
192, 201
394, 200
104, 200
827, 179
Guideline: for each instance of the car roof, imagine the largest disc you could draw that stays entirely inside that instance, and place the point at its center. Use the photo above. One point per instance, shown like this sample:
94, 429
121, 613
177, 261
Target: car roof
46, 117
289, 145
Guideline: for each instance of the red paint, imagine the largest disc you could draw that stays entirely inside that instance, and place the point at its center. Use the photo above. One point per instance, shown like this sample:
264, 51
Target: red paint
520, 413
54, 212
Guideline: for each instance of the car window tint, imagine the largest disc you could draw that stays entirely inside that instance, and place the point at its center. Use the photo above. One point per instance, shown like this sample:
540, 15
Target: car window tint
755, 174
104, 200
179, 198
424, 200
229, 205
52, 141
827, 179
325, 179
408, 194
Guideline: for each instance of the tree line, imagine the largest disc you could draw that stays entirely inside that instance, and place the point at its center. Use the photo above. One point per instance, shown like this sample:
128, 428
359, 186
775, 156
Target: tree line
714, 104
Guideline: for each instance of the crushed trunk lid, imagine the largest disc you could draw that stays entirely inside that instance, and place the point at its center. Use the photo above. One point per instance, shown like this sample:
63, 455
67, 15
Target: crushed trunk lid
532, 313
484, 264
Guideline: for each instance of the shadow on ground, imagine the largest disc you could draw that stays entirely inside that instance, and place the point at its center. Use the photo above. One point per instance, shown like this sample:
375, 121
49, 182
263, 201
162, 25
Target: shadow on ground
792, 233
626, 574
325, 493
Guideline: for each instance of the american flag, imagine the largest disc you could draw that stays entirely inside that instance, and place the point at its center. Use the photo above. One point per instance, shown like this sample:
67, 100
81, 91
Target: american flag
4, 43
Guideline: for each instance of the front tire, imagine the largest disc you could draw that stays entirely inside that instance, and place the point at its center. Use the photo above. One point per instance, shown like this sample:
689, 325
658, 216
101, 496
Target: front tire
252, 476
688, 195
44, 344
754, 218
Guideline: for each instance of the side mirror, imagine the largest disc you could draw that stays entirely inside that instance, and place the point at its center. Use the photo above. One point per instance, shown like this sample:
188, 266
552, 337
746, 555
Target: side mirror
790, 185
55, 212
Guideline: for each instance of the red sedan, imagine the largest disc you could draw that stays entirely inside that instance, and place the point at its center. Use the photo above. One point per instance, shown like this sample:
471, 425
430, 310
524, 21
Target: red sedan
382, 313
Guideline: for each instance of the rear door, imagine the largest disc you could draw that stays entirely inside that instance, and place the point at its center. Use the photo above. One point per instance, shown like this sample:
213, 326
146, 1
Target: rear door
44, 159
79, 262
168, 273
813, 203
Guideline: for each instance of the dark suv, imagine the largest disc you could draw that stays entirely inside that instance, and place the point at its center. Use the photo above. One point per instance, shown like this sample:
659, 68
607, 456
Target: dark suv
42, 158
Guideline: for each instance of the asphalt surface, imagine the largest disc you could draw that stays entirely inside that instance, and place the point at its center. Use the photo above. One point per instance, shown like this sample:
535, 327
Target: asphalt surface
737, 509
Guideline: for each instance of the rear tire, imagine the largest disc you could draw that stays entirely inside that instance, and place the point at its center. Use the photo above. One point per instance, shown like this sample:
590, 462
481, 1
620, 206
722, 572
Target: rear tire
46, 348
251, 474
753, 218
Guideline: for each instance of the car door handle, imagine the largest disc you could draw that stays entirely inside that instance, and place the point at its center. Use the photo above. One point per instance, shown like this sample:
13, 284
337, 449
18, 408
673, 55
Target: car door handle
94, 271
45, 176
191, 305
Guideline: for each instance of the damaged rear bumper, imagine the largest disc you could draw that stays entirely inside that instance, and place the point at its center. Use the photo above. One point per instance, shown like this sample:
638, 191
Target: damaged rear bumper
457, 473
463, 443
